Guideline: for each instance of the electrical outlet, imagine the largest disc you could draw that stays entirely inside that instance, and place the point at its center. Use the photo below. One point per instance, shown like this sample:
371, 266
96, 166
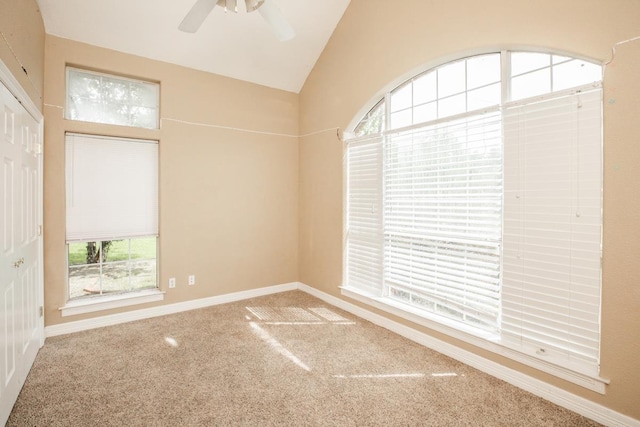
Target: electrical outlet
172, 282
192, 279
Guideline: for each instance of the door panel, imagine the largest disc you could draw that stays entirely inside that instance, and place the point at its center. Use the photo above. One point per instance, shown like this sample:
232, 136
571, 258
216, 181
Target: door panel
7, 205
10, 334
20, 285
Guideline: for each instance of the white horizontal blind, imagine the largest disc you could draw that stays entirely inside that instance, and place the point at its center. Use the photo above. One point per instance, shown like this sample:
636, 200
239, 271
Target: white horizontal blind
443, 201
363, 267
111, 187
552, 229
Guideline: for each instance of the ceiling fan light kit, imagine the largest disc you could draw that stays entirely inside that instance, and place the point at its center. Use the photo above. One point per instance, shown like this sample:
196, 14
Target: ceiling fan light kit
267, 8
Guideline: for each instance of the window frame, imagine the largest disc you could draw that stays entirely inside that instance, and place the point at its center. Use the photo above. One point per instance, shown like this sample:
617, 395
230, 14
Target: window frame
482, 339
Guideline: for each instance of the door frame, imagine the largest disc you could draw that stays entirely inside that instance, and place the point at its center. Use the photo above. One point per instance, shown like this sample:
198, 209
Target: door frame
9, 80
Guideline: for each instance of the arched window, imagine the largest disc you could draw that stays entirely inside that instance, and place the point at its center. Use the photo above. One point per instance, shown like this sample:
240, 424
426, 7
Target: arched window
474, 200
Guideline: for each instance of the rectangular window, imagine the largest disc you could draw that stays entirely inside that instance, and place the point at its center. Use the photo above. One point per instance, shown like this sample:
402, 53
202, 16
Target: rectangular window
103, 98
112, 214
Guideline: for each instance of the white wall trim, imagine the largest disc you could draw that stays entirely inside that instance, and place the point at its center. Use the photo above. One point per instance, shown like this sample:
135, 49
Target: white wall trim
537, 387
162, 310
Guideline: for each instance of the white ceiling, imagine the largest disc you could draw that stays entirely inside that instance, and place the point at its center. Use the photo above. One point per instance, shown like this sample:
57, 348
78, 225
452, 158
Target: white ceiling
239, 45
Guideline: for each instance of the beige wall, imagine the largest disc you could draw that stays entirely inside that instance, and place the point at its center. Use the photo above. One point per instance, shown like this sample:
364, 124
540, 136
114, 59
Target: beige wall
228, 198
377, 42
22, 45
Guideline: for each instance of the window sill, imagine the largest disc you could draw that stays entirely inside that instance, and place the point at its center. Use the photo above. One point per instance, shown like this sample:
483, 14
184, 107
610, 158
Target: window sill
482, 340
90, 305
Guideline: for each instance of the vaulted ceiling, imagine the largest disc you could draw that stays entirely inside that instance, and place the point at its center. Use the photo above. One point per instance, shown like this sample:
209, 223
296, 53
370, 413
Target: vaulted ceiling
241, 45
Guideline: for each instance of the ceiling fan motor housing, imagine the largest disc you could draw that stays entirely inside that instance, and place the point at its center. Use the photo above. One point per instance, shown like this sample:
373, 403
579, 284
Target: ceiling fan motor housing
232, 5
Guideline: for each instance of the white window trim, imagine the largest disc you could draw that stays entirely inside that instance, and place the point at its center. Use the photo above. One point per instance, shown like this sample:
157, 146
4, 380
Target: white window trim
107, 302
478, 338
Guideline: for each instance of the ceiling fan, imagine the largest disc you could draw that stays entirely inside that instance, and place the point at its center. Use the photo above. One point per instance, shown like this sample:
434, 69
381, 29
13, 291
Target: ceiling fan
267, 8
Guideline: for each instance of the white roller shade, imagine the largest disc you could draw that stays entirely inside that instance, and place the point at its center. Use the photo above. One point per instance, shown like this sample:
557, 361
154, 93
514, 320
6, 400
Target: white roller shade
111, 187
552, 228
363, 266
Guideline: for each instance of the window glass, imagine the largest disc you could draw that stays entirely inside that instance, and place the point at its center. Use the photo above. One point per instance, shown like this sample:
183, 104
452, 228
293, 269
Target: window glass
575, 73
524, 62
424, 88
475, 84
451, 79
111, 266
100, 98
401, 98
373, 122
452, 105
401, 119
484, 97
425, 112
483, 70
534, 75
556, 59
531, 84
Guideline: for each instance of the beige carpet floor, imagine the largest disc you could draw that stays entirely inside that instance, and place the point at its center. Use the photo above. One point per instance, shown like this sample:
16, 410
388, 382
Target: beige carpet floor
287, 359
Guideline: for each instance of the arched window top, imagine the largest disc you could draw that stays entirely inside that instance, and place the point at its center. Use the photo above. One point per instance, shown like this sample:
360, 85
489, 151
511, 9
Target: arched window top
476, 83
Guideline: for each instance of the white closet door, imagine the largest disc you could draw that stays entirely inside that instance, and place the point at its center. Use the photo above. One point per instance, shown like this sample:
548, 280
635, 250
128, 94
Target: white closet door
21, 327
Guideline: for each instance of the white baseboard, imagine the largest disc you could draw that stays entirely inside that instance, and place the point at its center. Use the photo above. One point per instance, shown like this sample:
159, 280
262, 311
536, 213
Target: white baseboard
544, 390
162, 310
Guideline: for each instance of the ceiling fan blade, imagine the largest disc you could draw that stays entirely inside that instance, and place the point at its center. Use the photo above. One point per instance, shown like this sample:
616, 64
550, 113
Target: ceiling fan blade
270, 12
196, 16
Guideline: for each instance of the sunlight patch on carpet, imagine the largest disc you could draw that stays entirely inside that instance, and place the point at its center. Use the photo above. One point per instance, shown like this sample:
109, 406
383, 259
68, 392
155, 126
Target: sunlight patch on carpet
171, 341
275, 344
297, 316
414, 375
